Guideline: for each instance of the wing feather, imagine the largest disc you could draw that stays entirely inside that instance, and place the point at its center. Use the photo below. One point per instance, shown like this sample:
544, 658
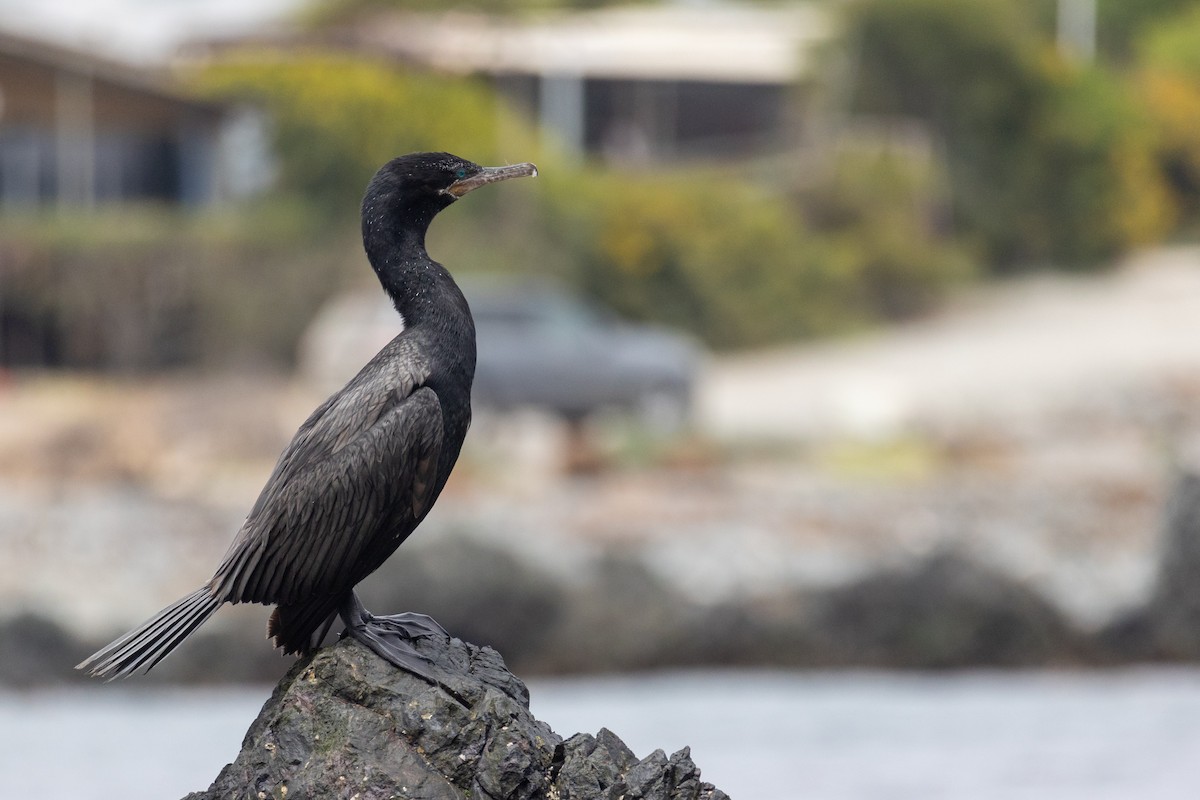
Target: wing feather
342, 497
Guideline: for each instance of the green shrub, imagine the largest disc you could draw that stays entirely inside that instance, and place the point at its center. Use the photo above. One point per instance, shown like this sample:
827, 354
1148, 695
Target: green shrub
141, 288
881, 212
1087, 174
1168, 80
337, 118
740, 265
1120, 23
699, 249
1046, 162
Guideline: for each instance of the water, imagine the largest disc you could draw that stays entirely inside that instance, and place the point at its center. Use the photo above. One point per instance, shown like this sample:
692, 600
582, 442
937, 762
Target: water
758, 736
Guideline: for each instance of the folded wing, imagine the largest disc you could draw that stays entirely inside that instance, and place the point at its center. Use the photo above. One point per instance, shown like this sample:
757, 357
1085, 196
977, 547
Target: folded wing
340, 500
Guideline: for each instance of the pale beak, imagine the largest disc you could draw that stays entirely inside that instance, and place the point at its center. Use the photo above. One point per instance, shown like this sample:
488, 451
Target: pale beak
490, 175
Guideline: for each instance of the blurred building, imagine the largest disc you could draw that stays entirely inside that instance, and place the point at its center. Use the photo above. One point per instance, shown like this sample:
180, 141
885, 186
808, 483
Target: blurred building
77, 130
630, 84
641, 83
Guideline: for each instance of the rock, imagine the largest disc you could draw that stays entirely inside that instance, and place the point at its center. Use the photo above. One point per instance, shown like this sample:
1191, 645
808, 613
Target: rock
651, 623
35, 651
1169, 626
344, 723
601, 766
948, 611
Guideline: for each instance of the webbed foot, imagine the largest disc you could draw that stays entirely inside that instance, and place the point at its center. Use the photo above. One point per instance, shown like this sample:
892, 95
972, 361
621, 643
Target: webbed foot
409, 625
391, 637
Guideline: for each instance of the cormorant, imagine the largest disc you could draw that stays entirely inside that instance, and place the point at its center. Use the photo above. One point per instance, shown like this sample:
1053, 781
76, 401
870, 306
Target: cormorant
365, 468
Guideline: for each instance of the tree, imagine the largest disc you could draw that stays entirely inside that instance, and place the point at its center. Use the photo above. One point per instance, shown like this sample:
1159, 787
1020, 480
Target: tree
1168, 78
1046, 160
337, 118
1121, 23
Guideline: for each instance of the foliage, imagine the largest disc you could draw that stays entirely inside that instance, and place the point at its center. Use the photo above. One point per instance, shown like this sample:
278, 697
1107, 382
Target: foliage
727, 261
881, 211
740, 265
1046, 161
1173, 43
146, 288
327, 10
1121, 23
1029, 159
1168, 80
1087, 180
704, 251
142, 287
337, 118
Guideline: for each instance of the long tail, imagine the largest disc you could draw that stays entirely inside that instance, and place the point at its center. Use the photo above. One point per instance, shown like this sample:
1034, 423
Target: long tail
145, 646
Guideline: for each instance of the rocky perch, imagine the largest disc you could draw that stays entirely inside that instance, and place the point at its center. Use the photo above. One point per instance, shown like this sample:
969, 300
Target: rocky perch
346, 724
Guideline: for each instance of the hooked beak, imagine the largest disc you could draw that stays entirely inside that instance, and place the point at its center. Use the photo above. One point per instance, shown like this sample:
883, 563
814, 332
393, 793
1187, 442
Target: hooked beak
490, 175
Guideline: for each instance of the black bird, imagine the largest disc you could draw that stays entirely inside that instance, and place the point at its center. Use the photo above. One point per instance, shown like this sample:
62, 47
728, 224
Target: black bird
365, 468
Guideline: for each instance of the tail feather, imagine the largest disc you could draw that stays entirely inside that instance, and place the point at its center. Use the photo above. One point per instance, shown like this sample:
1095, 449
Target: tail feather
148, 644
163, 625
155, 642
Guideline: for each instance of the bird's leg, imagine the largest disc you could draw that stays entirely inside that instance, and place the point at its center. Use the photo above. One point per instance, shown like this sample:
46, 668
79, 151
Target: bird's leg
391, 637
408, 624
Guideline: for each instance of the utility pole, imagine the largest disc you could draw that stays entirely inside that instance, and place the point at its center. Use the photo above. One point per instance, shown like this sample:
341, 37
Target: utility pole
1077, 29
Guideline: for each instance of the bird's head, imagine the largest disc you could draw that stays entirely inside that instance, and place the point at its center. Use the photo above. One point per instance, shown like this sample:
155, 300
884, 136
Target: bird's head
410, 190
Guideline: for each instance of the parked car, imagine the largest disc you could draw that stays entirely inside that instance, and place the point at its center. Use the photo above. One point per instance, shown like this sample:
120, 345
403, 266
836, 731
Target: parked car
539, 347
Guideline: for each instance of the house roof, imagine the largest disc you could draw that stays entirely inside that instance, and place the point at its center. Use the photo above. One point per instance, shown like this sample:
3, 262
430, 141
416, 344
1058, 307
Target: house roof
709, 42
143, 80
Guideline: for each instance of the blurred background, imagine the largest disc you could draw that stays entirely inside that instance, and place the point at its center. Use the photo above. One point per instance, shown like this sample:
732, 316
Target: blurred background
838, 392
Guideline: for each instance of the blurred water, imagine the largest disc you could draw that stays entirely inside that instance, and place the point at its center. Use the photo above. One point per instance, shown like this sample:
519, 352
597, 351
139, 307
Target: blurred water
758, 736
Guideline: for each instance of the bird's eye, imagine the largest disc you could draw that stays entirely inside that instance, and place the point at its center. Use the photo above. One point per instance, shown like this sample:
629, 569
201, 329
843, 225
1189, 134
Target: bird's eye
460, 173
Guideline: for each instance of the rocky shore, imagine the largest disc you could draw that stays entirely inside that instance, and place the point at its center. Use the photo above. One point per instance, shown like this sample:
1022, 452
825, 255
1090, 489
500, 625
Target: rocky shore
944, 610
345, 723
1050, 531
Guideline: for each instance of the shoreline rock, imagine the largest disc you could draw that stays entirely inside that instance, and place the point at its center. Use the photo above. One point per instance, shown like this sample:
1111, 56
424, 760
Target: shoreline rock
946, 610
345, 723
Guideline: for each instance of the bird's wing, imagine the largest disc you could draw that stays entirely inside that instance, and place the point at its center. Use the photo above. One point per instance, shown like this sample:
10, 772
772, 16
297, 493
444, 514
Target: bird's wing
356, 479
387, 380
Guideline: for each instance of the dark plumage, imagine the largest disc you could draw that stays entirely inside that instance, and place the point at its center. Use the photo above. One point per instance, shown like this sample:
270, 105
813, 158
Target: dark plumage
365, 468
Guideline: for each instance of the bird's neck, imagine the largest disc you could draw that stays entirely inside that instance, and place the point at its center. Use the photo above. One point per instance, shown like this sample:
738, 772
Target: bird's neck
421, 289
